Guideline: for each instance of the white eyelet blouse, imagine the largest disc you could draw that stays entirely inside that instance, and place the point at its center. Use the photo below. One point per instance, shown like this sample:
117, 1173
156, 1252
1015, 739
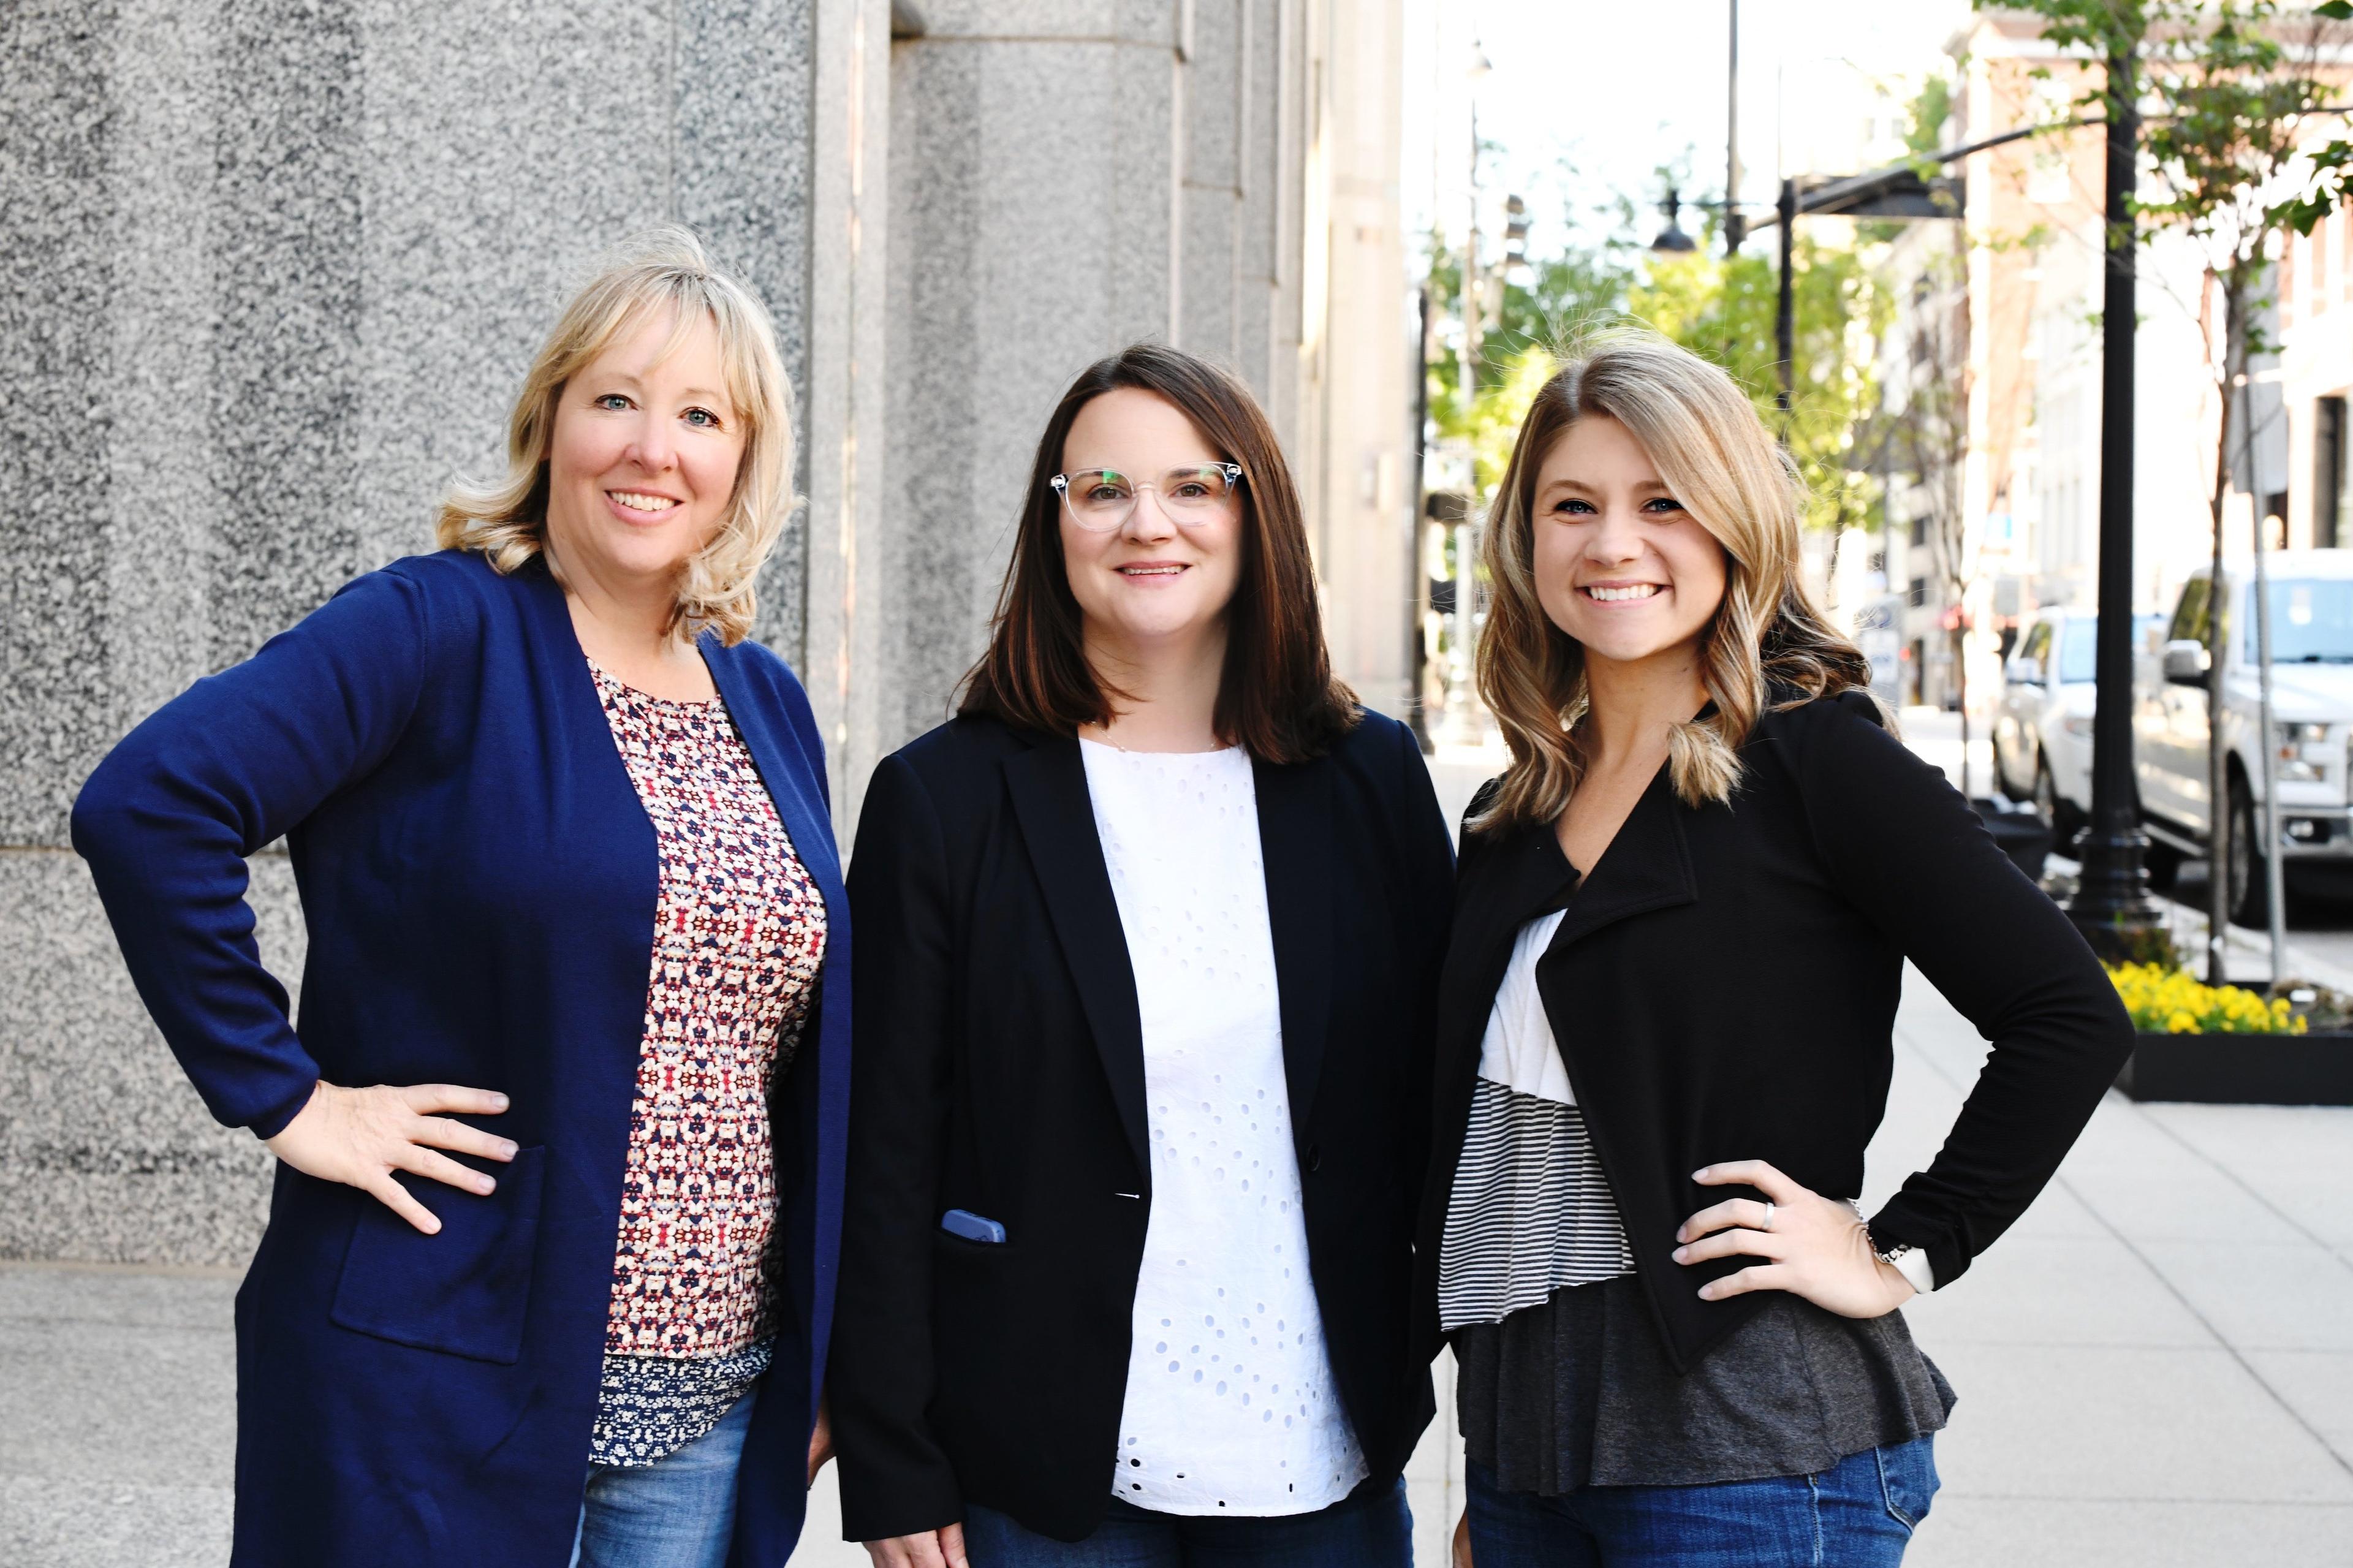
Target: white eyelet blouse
1230, 1408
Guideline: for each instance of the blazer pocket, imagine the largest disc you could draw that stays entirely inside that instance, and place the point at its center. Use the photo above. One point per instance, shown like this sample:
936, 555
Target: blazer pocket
948, 1244
463, 1291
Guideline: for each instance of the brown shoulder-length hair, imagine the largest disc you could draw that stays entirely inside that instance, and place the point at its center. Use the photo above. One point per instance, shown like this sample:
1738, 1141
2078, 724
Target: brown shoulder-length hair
1278, 699
1768, 646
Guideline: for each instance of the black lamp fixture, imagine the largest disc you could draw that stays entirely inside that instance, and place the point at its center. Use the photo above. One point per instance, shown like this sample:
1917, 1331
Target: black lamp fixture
1672, 240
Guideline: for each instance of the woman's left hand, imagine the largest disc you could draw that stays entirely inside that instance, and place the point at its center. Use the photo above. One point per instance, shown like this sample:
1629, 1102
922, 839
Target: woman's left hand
821, 1438
1809, 1245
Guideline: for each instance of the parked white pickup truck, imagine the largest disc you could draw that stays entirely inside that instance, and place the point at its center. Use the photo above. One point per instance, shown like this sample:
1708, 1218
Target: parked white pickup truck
2311, 593
2043, 731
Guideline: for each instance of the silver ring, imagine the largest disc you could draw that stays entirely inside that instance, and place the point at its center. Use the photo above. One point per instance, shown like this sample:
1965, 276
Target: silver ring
1769, 1215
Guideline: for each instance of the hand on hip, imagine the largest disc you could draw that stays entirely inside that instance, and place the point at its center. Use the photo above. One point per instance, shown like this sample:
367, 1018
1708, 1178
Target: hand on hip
360, 1136
1804, 1243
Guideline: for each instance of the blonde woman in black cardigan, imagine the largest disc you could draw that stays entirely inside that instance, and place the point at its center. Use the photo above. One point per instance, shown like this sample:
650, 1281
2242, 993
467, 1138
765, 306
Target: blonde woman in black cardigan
1665, 1025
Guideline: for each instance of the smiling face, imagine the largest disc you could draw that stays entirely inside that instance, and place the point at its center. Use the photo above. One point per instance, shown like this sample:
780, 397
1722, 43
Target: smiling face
1147, 582
642, 462
1619, 565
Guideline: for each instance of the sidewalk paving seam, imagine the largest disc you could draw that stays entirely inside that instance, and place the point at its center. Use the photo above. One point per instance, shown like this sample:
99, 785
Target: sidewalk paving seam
171, 1271
1946, 1493
2322, 1243
2061, 1181
54, 1321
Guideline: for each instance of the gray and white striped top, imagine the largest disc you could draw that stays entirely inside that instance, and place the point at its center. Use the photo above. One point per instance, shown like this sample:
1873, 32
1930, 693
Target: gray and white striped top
1531, 1210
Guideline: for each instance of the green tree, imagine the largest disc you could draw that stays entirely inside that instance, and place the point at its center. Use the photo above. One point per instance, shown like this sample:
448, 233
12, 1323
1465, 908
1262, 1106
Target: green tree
1533, 314
1725, 309
1721, 311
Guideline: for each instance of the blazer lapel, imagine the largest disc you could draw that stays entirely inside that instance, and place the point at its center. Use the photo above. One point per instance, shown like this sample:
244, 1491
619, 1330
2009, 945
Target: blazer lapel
1647, 866
1049, 785
1295, 833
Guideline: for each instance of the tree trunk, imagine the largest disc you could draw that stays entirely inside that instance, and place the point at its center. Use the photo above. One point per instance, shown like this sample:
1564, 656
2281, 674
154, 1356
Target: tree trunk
2218, 772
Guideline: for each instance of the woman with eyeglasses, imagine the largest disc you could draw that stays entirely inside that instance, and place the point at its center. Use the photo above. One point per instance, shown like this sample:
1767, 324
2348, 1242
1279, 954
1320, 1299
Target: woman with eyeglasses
1149, 937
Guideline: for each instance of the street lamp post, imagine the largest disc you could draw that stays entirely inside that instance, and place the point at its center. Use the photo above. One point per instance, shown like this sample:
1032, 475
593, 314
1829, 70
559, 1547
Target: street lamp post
1735, 226
2112, 907
1785, 309
1475, 291
1673, 240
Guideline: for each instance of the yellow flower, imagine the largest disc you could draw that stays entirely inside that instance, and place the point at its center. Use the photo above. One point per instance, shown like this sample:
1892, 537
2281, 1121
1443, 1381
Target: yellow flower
2168, 1001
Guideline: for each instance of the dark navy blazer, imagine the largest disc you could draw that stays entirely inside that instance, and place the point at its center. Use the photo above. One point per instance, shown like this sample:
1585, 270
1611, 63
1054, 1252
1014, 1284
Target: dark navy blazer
479, 882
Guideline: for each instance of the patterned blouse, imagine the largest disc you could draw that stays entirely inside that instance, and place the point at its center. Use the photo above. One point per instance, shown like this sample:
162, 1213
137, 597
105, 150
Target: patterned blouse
739, 935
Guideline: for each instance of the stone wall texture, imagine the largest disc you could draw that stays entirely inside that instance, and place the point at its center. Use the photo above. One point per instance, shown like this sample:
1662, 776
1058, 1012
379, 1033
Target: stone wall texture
274, 269
1067, 177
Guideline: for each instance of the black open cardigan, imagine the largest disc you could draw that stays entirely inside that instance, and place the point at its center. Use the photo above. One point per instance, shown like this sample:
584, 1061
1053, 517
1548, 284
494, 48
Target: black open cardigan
1732, 973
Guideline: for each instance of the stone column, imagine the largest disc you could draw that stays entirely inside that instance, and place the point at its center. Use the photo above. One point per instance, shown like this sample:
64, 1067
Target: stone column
845, 393
1033, 195
1067, 177
1357, 370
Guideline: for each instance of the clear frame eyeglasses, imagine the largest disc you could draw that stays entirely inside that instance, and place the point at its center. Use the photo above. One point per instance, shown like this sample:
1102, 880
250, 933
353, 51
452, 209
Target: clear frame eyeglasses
1100, 500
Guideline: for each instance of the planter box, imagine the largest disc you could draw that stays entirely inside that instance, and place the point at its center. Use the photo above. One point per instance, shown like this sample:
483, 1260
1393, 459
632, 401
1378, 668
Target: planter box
2241, 1069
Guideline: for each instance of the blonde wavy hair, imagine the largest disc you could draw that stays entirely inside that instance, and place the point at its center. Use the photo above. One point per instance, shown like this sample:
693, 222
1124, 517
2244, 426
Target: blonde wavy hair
661, 270
1766, 645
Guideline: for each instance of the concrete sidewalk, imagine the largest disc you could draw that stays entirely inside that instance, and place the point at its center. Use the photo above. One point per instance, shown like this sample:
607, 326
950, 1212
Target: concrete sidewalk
2156, 1366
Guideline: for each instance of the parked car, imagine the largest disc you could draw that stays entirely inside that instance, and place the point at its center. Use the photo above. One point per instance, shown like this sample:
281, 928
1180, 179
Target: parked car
2311, 602
2043, 731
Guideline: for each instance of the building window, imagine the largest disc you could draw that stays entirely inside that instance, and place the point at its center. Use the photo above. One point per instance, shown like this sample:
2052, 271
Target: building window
1918, 596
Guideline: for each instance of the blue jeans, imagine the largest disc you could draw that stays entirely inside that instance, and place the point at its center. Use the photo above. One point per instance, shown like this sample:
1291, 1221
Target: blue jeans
1370, 1528
1857, 1514
676, 1512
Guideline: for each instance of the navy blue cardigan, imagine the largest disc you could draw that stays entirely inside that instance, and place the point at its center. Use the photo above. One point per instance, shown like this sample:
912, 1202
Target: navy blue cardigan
479, 882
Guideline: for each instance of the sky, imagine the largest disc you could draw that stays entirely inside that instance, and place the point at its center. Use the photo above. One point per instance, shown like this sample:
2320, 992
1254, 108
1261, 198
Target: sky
1589, 97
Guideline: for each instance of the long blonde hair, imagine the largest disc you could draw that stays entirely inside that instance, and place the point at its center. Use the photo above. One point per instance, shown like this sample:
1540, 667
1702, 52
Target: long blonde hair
1767, 643
663, 269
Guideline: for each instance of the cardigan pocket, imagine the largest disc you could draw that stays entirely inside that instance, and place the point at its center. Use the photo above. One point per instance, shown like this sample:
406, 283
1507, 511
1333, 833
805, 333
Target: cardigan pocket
464, 1291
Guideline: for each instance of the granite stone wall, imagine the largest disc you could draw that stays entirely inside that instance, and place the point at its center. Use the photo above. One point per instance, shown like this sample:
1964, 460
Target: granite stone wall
273, 270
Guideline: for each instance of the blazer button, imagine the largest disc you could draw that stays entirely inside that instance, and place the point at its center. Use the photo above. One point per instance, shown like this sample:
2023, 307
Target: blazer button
1314, 1159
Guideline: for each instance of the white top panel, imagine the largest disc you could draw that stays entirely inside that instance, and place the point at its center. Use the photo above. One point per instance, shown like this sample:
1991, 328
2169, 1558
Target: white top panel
1230, 1408
1518, 1051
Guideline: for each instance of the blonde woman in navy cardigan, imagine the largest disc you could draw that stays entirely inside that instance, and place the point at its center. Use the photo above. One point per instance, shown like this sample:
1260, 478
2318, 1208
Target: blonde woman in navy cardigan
550, 1257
